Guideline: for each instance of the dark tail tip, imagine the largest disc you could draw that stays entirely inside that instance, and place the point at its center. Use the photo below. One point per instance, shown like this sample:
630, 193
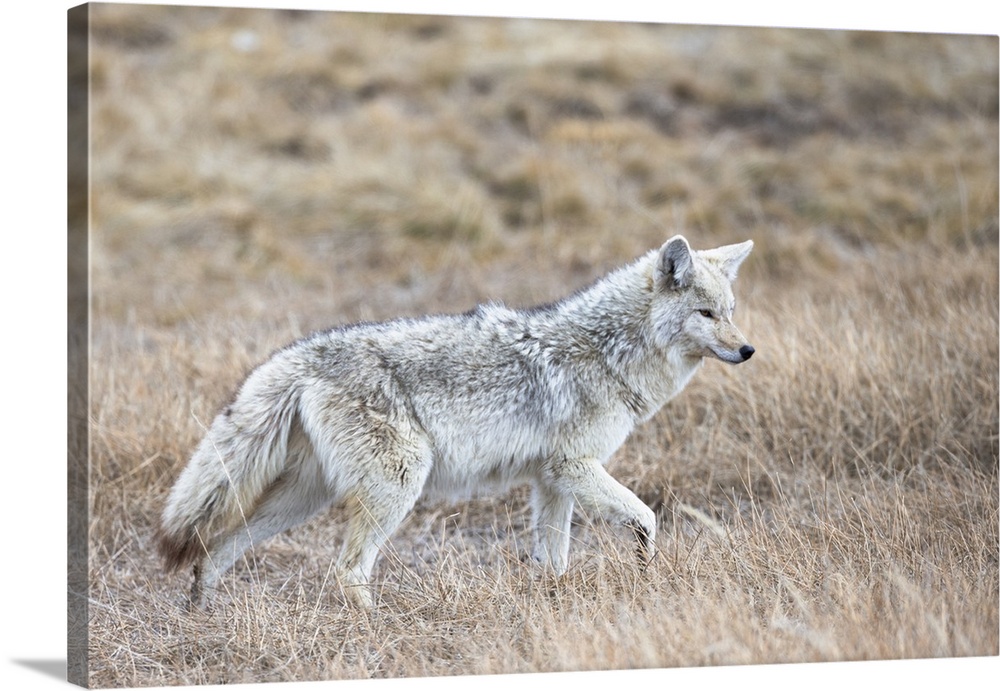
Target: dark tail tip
177, 552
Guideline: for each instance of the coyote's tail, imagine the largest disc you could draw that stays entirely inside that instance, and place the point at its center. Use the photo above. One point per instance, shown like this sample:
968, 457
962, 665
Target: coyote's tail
241, 455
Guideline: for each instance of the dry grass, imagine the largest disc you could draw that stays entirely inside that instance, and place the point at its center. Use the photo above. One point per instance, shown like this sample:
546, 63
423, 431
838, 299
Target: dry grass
258, 174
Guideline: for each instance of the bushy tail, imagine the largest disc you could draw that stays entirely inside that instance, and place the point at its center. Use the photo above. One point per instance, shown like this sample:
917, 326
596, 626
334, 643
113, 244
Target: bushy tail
243, 453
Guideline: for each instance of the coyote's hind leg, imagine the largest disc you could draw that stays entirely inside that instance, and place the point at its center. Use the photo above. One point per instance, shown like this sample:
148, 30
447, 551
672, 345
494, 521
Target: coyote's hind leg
383, 498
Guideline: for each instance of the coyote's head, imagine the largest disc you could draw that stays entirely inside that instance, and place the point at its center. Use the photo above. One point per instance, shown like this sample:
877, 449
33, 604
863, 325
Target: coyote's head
693, 300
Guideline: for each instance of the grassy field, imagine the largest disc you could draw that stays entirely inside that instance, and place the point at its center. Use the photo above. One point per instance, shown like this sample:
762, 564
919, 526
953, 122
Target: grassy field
258, 175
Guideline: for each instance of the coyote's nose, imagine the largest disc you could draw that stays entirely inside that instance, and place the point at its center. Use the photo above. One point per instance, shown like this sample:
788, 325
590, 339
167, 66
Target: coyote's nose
746, 351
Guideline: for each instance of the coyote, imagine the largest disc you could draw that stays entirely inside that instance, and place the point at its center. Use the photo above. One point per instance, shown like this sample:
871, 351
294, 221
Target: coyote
377, 415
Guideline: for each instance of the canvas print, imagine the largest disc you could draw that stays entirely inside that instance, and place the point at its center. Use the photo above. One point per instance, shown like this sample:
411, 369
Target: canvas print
406, 345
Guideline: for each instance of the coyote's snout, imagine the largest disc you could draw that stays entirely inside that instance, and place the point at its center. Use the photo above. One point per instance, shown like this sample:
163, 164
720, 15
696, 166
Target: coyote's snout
375, 416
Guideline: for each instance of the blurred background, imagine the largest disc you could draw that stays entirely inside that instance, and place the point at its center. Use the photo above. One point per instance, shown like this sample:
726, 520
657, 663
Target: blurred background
324, 166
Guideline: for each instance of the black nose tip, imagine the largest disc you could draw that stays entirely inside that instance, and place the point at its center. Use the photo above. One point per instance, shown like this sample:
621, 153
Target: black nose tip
746, 351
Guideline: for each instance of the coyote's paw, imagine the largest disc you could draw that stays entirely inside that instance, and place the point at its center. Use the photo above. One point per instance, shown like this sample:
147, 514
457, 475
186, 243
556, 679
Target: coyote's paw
644, 530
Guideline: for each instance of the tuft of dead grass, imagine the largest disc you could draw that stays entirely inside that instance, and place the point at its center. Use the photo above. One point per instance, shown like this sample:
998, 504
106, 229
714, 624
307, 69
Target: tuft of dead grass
257, 175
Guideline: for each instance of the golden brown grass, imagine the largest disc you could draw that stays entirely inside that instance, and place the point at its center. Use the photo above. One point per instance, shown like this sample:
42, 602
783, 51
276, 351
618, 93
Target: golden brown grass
258, 174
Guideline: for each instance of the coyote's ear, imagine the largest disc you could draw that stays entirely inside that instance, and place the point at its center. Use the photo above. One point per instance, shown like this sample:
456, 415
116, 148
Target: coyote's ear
673, 270
729, 257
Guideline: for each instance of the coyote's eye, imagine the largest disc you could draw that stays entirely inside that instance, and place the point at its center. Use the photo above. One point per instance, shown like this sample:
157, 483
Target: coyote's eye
707, 314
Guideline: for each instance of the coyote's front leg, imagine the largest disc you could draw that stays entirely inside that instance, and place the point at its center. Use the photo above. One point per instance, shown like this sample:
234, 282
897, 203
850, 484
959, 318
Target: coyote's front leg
590, 485
552, 511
